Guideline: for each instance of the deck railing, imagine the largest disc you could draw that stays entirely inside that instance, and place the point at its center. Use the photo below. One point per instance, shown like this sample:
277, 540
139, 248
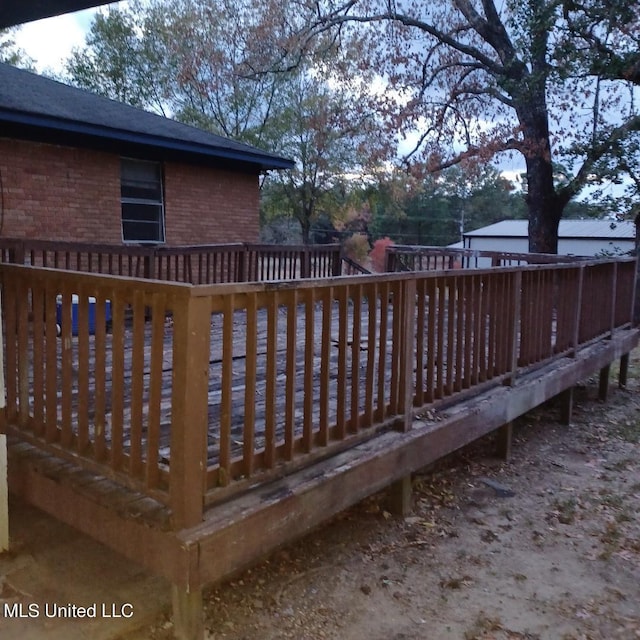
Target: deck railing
194, 264
401, 258
89, 382
198, 391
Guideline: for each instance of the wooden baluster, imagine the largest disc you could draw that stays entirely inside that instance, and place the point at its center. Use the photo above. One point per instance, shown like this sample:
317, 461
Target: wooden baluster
248, 439
291, 371
271, 373
158, 310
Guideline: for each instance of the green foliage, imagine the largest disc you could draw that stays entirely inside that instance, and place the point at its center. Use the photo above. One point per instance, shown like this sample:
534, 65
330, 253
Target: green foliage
438, 210
113, 62
320, 127
10, 53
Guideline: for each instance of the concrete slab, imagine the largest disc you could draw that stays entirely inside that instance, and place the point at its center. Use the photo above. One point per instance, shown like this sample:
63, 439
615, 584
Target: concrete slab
58, 584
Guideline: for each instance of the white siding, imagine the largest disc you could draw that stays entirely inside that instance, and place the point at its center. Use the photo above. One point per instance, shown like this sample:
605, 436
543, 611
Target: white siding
576, 237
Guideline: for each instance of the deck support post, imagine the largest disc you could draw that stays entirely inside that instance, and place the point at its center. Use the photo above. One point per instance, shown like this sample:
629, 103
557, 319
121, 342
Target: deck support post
603, 386
400, 497
192, 325
4, 496
624, 370
566, 406
504, 440
189, 412
400, 490
188, 613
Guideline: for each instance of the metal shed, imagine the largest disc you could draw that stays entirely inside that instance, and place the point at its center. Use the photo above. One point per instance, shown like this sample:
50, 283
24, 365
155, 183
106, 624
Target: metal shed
575, 237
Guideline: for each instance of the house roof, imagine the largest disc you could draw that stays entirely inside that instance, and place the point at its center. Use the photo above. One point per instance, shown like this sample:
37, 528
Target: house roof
595, 229
37, 108
13, 12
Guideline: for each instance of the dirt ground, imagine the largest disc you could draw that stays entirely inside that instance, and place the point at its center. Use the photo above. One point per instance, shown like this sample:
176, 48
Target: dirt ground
552, 551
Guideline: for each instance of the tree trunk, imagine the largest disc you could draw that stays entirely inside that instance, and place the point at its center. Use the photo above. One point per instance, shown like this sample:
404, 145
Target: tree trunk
305, 216
305, 227
544, 206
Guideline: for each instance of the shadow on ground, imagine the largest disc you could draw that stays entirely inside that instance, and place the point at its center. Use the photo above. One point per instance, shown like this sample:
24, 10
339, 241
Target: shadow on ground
52, 571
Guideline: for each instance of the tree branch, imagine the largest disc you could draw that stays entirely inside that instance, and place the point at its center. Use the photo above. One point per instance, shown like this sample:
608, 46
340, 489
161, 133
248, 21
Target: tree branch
338, 18
596, 152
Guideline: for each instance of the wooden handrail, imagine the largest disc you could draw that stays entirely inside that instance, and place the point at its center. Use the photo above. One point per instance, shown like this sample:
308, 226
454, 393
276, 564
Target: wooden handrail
195, 264
418, 258
353, 267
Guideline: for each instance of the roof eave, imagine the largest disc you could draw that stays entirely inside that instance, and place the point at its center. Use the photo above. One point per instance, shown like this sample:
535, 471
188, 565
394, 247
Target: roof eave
14, 12
264, 162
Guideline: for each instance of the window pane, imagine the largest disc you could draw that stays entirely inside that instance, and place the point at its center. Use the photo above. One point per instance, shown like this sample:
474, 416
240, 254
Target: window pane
141, 180
142, 206
139, 170
141, 191
143, 212
141, 231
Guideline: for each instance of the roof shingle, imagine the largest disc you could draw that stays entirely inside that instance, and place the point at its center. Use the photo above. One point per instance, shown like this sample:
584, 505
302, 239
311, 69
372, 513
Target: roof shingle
37, 103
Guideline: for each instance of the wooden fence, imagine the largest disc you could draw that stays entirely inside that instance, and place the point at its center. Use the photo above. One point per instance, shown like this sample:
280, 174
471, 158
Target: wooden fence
197, 392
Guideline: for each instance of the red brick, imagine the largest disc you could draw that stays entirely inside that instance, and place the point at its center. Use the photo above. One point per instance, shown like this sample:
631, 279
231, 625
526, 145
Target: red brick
62, 193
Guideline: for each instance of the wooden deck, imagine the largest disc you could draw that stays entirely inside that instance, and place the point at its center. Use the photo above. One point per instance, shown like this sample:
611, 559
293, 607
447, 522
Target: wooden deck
238, 372
304, 386
196, 427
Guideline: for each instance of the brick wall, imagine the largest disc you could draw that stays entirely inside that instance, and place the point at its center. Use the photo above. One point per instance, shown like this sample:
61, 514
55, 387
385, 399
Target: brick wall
61, 193
206, 206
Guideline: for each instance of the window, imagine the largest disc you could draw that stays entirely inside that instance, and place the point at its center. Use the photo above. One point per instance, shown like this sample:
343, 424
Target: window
142, 205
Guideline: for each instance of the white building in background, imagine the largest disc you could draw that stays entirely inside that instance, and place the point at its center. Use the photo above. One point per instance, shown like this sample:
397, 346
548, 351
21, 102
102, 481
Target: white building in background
575, 237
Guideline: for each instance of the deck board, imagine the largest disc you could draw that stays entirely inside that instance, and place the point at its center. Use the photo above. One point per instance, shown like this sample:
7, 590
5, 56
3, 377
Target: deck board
117, 377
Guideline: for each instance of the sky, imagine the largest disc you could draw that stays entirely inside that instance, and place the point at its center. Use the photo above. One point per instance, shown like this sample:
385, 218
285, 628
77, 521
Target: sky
50, 41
